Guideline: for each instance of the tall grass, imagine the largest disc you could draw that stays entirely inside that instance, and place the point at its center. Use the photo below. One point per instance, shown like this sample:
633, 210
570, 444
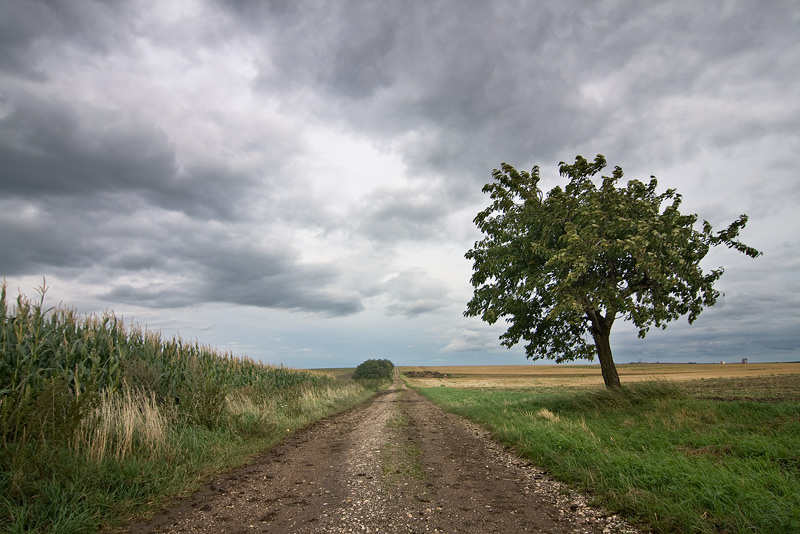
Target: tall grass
98, 419
656, 453
122, 422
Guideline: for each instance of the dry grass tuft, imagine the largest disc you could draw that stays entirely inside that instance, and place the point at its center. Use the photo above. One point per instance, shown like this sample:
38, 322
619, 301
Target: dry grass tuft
123, 420
547, 414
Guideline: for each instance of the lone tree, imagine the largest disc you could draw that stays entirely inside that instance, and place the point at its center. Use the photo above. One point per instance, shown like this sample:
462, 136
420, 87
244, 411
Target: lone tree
376, 369
562, 268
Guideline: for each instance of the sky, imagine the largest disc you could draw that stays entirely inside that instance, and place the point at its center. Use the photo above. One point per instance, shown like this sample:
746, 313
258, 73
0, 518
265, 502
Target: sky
297, 181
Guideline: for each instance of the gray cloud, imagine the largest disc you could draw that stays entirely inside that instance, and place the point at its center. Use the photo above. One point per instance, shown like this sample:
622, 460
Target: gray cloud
49, 150
27, 29
475, 340
473, 84
213, 266
172, 156
413, 292
53, 150
35, 240
391, 216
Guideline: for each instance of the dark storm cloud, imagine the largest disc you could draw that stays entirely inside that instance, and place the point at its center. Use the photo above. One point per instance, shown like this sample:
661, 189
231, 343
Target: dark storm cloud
478, 77
291, 290
94, 188
28, 28
228, 267
49, 150
55, 149
78, 193
34, 240
485, 82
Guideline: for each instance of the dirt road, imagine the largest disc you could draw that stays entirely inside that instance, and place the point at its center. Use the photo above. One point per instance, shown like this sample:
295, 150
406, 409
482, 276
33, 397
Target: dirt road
398, 464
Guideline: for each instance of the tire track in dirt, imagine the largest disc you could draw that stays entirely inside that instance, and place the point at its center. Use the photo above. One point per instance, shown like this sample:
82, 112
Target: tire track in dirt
397, 464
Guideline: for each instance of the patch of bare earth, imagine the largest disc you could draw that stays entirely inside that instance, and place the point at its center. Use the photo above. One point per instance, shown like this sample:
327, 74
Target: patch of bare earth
397, 464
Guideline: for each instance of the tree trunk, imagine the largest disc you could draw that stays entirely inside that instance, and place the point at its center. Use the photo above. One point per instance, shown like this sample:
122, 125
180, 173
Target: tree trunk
601, 334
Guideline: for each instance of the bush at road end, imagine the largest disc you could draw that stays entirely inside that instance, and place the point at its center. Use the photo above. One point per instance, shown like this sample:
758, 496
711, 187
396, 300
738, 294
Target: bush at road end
374, 369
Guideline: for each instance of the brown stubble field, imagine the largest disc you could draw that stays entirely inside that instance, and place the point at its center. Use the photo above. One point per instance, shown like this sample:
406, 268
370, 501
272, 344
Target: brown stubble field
526, 376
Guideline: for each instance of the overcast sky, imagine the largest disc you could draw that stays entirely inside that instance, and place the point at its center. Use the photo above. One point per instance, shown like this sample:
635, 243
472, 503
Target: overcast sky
296, 181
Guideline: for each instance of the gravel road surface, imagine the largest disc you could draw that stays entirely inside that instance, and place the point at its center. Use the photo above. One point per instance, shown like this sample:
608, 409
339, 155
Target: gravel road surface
397, 464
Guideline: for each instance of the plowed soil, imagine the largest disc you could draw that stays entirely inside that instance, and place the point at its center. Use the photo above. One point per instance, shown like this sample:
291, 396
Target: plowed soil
397, 464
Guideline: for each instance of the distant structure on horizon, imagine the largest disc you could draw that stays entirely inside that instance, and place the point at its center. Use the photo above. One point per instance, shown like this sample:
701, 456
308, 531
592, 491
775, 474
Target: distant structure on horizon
744, 360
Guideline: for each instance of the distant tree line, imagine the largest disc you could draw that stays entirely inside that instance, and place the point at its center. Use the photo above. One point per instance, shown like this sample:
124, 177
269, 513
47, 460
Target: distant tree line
379, 369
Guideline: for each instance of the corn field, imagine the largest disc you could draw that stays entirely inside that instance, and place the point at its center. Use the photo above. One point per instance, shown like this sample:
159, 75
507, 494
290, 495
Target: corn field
56, 366
99, 420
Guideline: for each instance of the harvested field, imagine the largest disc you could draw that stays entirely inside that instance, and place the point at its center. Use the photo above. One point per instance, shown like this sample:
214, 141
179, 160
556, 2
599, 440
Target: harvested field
425, 374
522, 376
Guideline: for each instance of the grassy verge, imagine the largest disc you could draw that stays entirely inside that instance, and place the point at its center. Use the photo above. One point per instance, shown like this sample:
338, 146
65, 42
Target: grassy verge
99, 423
657, 452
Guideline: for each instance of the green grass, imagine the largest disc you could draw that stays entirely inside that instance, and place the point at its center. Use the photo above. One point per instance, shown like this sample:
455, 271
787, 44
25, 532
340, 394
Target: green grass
771, 388
656, 452
100, 423
401, 458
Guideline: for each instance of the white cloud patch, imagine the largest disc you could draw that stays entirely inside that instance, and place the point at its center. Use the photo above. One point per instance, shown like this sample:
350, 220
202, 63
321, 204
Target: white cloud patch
413, 292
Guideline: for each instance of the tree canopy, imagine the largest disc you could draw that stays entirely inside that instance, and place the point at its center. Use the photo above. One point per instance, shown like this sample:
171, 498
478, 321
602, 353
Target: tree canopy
561, 268
379, 369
